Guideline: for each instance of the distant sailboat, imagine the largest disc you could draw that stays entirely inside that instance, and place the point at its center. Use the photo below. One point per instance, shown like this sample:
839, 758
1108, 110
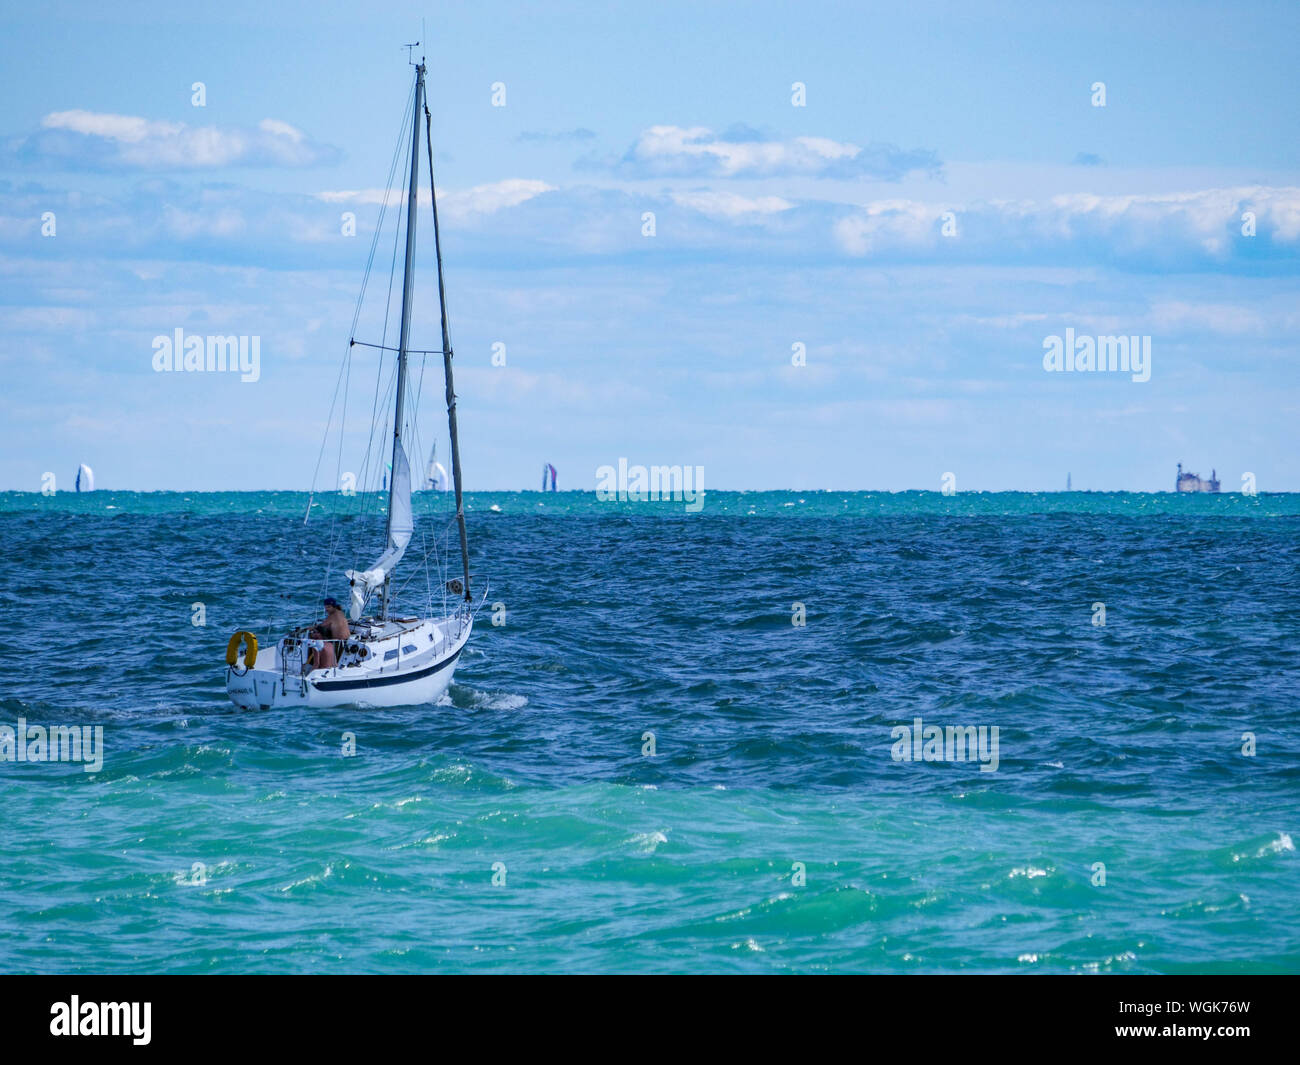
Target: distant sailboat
548, 471
85, 478
1067, 482
436, 479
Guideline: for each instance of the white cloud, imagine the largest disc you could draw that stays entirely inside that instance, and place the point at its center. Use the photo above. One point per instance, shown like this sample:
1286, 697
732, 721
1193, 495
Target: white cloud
488, 199
697, 151
364, 197
277, 128
455, 204
891, 222
126, 128
728, 204
698, 143
96, 139
526, 217
1192, 225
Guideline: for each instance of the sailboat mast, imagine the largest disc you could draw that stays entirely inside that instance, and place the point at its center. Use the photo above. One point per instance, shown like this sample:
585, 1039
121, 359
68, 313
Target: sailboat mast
446, 363
407, 286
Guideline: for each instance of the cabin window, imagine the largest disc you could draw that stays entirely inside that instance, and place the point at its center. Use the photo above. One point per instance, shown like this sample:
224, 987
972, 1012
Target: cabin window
390, 655
409, 649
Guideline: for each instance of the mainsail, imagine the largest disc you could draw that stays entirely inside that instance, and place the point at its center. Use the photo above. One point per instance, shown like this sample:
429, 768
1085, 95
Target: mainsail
400, 527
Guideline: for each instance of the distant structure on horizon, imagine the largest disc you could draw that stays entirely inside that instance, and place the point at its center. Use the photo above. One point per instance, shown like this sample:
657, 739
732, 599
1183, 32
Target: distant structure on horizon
1067, 482
1190, 482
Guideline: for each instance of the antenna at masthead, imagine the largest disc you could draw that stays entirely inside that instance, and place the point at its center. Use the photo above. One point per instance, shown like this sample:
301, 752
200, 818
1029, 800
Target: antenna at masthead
408, 48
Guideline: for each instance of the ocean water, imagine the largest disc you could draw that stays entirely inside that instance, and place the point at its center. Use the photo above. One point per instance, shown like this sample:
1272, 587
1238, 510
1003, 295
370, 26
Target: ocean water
523, 825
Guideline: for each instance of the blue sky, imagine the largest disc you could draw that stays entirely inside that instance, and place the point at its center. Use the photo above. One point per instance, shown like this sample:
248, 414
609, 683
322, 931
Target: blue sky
821, 225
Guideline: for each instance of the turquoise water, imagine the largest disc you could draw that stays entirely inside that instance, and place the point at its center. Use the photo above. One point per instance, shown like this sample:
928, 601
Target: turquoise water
214, 840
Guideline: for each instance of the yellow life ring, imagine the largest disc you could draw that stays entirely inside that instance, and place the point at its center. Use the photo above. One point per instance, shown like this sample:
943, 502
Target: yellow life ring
250, 652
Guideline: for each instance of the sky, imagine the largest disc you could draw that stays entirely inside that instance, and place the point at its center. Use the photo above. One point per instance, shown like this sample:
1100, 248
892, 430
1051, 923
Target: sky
868, 224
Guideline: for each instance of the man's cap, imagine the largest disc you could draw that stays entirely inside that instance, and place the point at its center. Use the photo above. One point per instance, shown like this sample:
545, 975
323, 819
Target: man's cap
331, 601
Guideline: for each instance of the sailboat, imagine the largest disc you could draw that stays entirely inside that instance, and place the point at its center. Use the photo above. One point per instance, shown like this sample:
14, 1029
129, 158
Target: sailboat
388, 659
548, 471
436, 479
85, 478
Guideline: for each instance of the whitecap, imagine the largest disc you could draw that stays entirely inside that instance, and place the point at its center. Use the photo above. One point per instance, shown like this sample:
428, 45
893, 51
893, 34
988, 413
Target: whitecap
646, 842
1277, 846
313, 879
500, 700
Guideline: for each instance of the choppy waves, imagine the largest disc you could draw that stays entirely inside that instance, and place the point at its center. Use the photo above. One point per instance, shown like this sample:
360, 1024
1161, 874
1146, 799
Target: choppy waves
650, 766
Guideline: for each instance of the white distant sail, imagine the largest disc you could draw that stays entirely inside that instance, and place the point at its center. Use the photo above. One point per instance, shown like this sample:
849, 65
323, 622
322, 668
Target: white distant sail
85, 478
436, 478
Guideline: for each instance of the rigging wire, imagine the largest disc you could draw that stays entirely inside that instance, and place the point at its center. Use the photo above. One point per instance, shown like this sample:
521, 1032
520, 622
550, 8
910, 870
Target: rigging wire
349, 536
365, 280
368, 490
345, 371
447, 356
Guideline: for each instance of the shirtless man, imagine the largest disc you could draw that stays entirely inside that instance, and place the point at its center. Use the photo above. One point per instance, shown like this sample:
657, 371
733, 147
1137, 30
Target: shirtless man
333, 628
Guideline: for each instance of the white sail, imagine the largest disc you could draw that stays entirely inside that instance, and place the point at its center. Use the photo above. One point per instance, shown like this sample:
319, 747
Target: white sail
400, 522
400, 528
437, 479
85, 478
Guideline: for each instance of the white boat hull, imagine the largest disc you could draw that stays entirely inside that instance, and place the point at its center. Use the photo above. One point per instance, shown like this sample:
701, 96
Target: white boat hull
419, 674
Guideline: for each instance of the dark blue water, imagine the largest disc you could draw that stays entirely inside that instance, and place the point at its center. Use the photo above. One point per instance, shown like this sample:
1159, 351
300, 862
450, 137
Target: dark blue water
1139, 819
